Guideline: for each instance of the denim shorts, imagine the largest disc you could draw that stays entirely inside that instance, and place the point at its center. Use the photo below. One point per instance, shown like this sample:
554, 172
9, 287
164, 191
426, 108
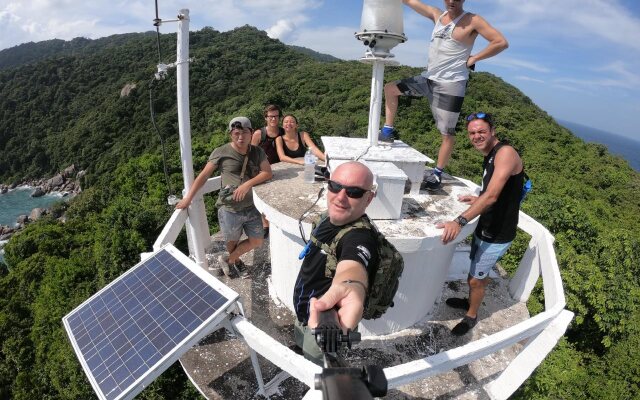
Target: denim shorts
233, 223
484, 256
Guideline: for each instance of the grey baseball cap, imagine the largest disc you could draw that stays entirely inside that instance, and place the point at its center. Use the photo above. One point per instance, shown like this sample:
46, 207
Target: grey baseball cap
243, 121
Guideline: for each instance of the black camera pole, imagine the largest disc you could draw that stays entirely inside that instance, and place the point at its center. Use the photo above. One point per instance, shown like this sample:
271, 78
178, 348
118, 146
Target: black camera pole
337, 380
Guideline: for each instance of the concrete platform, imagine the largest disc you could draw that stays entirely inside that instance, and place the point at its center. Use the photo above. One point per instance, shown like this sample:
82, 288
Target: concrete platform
221, 368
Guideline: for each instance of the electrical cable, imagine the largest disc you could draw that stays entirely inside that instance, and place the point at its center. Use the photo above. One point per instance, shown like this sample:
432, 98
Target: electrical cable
305, 213
156, 22
155, 126
307, 244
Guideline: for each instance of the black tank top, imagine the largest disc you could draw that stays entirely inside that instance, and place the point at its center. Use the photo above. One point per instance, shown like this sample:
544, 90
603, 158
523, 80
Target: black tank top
268, 144
299, 152
499, 223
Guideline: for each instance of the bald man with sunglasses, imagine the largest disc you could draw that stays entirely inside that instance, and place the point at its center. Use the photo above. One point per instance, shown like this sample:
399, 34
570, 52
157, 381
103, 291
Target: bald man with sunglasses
498, 207
350, 190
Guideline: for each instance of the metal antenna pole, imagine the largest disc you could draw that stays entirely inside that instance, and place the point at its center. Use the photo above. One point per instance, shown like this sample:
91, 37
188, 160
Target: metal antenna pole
196, 225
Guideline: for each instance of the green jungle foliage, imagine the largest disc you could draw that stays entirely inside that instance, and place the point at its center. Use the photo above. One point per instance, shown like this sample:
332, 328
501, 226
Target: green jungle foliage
60, 104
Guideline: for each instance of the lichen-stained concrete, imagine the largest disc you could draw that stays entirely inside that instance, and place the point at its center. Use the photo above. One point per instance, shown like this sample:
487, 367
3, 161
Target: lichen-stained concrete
221, 367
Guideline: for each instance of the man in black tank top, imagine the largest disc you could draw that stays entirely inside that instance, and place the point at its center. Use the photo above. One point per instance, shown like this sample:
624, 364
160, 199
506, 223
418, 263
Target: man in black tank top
498, 206
265, 137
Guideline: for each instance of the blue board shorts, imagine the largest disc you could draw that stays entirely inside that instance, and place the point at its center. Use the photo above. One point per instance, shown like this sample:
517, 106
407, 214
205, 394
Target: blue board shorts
233, 223
484, 255
445, 99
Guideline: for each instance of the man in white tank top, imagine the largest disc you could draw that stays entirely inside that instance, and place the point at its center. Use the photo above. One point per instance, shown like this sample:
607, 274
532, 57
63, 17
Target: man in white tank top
445, 80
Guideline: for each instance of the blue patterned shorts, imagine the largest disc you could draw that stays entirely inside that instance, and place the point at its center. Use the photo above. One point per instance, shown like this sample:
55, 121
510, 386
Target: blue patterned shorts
484, 256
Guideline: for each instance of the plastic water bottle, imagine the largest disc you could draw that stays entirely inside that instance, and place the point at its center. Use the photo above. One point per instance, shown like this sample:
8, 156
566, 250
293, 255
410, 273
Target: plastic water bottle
309, 167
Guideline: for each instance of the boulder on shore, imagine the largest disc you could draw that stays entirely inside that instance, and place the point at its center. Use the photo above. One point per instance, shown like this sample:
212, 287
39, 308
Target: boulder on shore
38, 192
22, 219
55, 182
70, 171
37, 213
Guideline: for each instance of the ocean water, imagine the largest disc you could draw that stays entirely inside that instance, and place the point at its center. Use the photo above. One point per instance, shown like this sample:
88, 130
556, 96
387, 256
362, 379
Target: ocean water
18, 202
627, 148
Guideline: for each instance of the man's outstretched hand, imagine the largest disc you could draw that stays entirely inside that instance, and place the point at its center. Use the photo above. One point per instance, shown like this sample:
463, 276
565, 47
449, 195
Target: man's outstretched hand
349, 299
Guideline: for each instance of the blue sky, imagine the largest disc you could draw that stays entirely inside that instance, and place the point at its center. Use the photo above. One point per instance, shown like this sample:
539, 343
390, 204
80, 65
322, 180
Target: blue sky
577, 59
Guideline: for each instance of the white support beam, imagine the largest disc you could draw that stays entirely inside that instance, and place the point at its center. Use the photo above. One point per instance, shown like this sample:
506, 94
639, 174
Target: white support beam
197, 227
527, 274
442, 362
529, 358
551, 279
294, 364
212, 185
171, 230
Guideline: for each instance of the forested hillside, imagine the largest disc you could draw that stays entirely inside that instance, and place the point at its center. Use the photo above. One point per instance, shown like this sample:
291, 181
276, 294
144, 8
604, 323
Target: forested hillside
61, 107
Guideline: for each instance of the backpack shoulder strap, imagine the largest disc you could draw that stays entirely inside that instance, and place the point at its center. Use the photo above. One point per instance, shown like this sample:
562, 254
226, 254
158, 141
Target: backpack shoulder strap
331, 247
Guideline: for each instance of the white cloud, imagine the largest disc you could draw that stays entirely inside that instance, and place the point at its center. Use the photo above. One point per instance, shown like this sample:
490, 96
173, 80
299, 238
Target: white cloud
592, 20
529, 79
337, 41
36, 20
613, 76
573, 89
621, 71
514, 63
281, 29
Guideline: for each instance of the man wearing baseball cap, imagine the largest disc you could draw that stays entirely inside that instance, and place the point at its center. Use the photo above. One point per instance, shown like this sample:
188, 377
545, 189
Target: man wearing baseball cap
242, 166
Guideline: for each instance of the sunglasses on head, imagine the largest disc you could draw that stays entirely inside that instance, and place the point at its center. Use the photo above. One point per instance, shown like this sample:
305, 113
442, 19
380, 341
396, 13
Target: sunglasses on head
488, 118
353, 192
478, 115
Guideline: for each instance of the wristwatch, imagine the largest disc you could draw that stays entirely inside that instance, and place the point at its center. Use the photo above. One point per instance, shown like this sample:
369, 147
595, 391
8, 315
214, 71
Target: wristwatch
462, 221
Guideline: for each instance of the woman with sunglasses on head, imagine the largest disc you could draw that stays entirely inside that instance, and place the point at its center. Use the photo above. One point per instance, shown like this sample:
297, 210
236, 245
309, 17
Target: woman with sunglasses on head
293, 145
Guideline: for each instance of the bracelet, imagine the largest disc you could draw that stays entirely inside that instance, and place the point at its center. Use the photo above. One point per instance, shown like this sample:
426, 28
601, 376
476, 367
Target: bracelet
359, 283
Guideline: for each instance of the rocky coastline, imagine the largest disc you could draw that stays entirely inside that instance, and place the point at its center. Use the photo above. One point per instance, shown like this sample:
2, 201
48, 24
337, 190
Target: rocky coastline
67, 183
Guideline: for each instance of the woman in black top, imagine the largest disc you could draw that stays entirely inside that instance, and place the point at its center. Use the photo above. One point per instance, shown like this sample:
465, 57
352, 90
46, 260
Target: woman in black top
293, 145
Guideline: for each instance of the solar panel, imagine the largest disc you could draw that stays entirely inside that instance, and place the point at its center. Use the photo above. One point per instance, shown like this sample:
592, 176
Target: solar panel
132, 330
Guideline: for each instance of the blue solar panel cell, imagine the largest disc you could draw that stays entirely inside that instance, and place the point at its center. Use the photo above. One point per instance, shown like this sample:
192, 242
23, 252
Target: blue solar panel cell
133, 329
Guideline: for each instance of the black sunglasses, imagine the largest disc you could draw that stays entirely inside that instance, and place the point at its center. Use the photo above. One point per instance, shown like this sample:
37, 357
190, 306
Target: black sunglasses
353, 192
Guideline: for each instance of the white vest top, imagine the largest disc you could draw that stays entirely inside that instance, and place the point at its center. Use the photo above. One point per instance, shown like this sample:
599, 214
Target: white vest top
447, 56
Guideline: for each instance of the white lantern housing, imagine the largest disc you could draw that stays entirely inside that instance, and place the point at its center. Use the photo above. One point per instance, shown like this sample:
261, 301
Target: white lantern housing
381, 26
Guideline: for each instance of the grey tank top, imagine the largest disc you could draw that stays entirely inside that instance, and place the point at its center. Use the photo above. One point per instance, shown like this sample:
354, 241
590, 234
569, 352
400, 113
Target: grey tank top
447, 56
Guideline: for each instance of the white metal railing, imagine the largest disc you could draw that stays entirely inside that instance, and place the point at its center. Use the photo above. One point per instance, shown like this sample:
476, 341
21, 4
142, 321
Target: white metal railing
540, 333
177, 220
